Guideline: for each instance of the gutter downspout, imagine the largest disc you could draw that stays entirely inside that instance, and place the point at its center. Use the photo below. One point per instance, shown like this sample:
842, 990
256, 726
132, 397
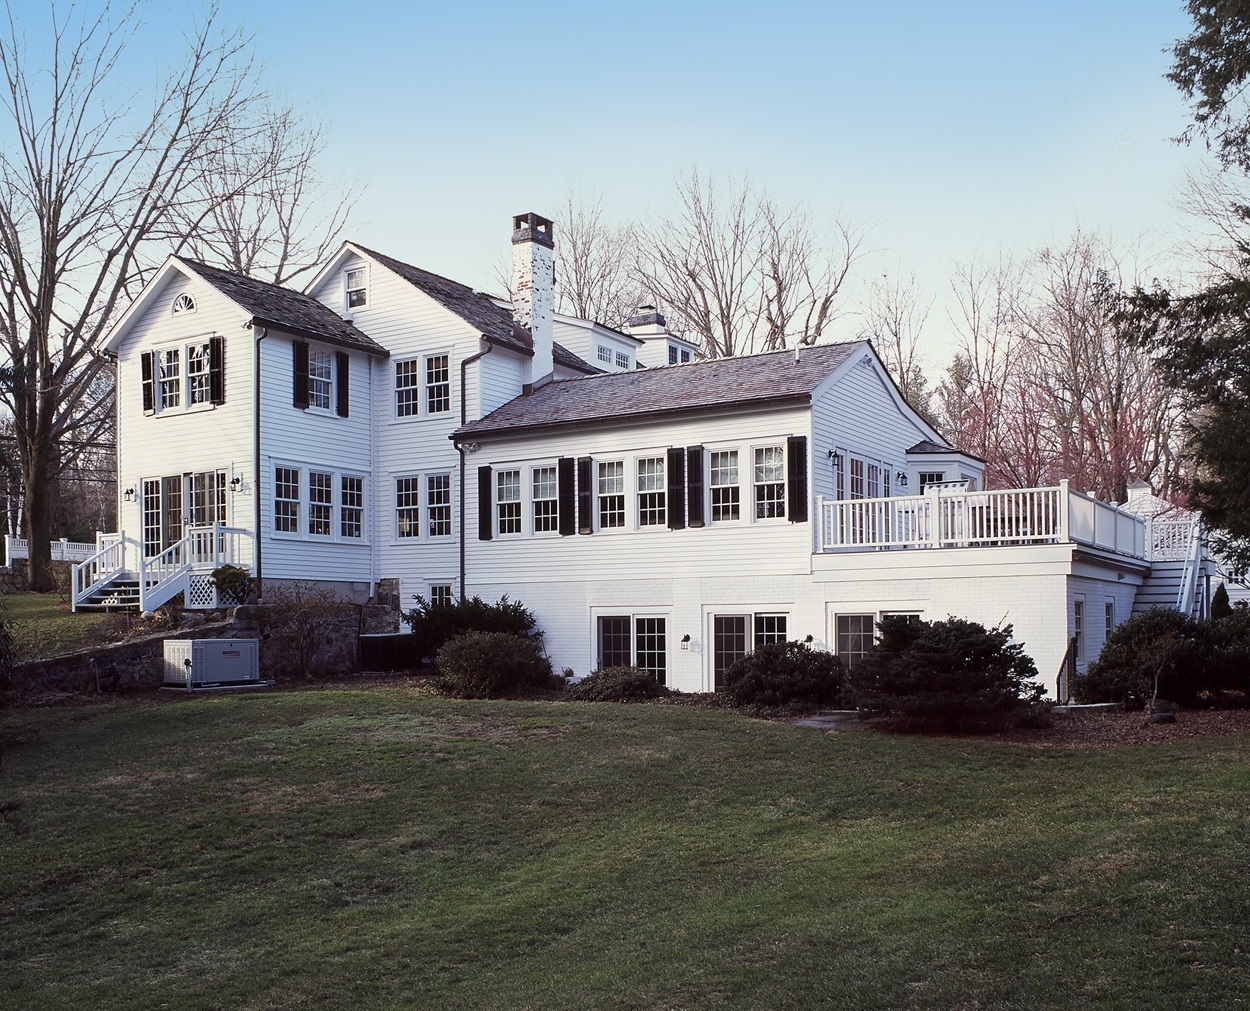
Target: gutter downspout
256, 457
464, 418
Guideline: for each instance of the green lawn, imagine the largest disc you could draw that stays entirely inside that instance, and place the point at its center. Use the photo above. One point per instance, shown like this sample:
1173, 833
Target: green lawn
375, 849
43, 626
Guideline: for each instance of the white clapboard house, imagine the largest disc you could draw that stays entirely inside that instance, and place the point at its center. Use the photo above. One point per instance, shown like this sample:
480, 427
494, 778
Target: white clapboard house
390, 424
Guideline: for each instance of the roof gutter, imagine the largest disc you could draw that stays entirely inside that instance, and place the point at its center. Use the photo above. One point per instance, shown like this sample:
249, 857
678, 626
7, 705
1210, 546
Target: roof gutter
296, 331
464, 416
263, 332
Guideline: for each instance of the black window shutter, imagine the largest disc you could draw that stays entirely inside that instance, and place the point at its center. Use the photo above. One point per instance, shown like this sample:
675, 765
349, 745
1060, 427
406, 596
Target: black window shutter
485, 517
694, 486
217, 370
300, 391
149, 390
585, 499
342, 363
676, 488
796, 473
565, 470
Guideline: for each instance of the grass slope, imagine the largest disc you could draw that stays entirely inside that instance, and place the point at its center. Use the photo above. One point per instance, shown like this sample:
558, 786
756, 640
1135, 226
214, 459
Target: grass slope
44, 626
365, 849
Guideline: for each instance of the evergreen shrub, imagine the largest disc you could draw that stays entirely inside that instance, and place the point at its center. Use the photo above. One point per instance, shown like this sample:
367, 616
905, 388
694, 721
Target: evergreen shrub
491, 665
782, 673
617, 684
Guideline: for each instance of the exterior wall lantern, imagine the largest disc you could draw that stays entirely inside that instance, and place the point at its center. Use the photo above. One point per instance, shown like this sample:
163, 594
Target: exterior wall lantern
685, 641
129, 494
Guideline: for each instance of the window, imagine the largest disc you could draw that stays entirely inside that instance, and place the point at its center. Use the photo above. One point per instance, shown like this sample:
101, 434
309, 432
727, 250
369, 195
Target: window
352, 507
931, 477
770, 482
854, 638
320, 378
438, 504
769, 628
440, 594
622, 360
438, 384
183, 303
730, 639
625, 640
1078, 627
1109, 618
685, 356
206, 503
357, 293
407, 507
603, 354
874, 481
198, 385
508, 501
672, 355
407, 388
152, 518
651, 511
723, 482
170, 378
545, 486
320, 502
857, 477
612, 494
286, 500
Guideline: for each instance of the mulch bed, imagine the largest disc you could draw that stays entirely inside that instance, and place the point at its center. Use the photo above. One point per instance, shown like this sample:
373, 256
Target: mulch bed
1114, 730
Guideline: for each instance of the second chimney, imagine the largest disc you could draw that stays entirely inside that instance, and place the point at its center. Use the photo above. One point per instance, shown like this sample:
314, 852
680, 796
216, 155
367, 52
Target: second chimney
534, 288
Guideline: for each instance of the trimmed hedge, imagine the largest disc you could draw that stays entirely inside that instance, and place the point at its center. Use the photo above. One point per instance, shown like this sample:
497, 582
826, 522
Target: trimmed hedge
954, 672
617, 684
491, 665
782, 673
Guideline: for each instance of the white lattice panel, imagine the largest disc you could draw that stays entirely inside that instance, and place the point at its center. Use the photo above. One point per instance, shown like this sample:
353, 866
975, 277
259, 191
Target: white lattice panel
201, 594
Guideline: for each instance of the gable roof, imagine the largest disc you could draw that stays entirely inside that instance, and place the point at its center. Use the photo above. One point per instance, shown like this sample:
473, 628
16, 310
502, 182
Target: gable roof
481, 311
696, 386
272, 305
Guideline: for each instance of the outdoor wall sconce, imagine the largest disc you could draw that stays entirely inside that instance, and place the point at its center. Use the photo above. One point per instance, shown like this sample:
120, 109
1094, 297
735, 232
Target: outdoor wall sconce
129, 494
685, 642
809, 638
835, 457
900, 479
236, 483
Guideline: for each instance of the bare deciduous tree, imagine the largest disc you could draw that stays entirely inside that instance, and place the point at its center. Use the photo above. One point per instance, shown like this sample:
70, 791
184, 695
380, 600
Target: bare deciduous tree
91, 180
894, 318
596, 278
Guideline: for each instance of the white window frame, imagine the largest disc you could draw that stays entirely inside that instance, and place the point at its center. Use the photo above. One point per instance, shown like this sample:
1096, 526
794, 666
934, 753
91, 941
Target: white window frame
283, 483
172, 382
321, 510
346, 507
621, 360
438, 511
617, 489
510, 511
408, 514
651, 516
544, 510
416, 389
361, 288
604, 354
599, 613
735, 485
321, 379
782, 502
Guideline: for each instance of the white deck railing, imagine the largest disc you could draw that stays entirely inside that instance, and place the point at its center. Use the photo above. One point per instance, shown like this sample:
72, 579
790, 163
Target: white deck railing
946, 517
63, 550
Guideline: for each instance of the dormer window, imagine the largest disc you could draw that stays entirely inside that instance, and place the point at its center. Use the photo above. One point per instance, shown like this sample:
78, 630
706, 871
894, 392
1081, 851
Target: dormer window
357, 293
183, 303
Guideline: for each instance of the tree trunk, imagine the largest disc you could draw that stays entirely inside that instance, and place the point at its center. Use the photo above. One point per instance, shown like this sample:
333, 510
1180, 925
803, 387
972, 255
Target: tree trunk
39, 519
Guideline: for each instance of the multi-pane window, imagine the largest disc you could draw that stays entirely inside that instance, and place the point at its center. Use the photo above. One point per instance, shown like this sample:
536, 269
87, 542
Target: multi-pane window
407, 388
857, 477
508, 501
438, 504
170, 375
199, 390
672, 355
622, 360
931, 477
769, 628
723, 482
603, 354
854, 638
769, 482
612, 494
320, 378
874, 481
286, 500
207, 498
545, 486
440, 594
729, 644
352, 507
1078, 627
152, 518
357, 294
407, 507
320, 502
438, 384
651, 491
685, 356
642, 642
1109, 617
650, 648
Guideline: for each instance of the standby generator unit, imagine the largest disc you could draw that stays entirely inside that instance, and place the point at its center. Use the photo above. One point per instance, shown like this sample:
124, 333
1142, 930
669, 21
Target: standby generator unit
195, 664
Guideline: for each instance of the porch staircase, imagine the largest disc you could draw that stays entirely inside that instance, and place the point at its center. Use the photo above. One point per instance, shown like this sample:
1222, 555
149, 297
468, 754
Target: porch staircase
119, 594
1161, 587
1177, 581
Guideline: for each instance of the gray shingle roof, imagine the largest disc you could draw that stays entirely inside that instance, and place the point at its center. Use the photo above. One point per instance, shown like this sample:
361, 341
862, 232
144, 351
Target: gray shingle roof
698, 386
927, 446
273, 305
477, 309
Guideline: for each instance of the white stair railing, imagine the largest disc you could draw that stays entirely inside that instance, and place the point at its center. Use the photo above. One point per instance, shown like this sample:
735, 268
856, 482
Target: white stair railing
98, 570
1188, 589
163, 576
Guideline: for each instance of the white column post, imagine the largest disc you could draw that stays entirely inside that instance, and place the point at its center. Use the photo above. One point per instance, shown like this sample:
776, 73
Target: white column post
933, 513
1065, 510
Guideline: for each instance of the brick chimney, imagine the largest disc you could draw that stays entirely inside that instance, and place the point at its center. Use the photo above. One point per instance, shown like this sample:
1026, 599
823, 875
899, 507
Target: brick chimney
534, 288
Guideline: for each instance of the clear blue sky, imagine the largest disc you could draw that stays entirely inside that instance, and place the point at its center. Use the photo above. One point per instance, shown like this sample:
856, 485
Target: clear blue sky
954, 129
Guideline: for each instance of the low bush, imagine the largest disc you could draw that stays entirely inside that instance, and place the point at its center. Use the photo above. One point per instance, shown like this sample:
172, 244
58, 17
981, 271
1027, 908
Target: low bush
1160, 650
234, 585
491, 665
955, 672
617, 684
782, 673
436, 624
